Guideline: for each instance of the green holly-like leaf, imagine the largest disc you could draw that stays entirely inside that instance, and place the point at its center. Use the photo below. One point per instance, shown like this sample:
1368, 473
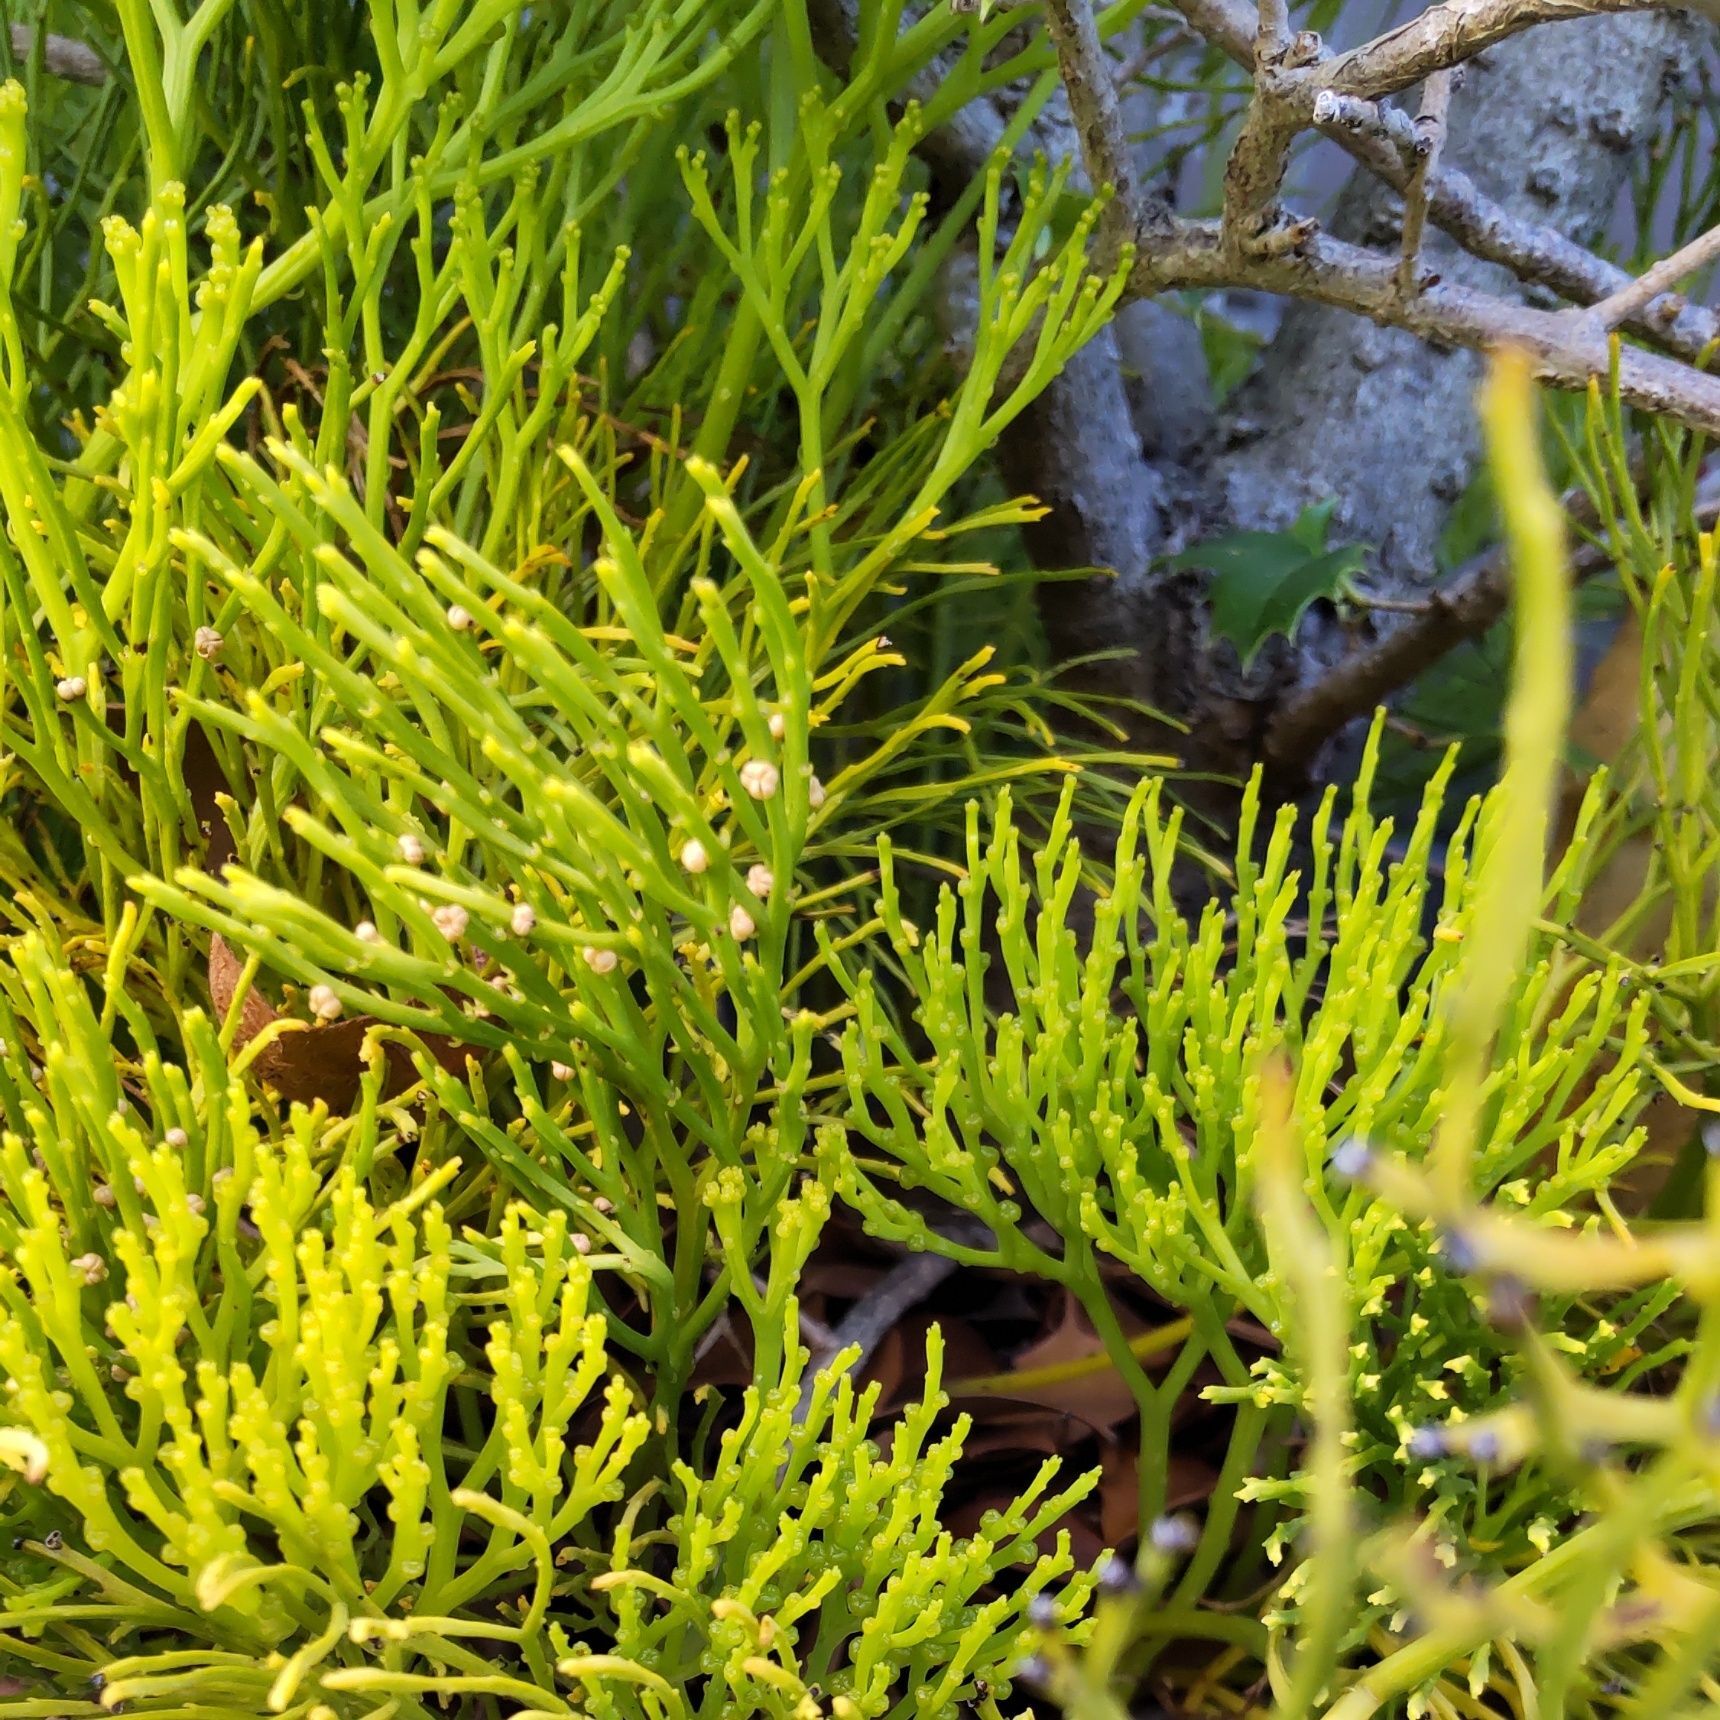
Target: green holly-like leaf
1263, 582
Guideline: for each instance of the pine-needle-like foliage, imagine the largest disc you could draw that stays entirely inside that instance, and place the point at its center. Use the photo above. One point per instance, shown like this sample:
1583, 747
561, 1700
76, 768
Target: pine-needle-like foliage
510, 817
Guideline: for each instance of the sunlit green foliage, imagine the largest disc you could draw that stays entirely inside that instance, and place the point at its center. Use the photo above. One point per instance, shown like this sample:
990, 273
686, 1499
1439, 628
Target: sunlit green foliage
491, 541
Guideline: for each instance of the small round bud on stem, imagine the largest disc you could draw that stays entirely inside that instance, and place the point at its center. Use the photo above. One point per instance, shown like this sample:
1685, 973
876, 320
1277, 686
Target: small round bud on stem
410, 849
177, 1139
814, 793
523, 920
760, 881
207, 643
366, 933
561, 1071
694, 857
71, 688
741, 924
599, 960
451, 920
760, 778
325, 1006
459, 619
91, 1268
778, 725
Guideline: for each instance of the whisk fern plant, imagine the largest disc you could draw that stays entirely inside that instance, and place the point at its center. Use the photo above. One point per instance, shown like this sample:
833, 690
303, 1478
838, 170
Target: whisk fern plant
488, 871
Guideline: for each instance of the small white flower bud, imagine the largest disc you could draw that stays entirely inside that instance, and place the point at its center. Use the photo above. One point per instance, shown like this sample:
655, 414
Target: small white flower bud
222, 1177
410, 849
91, 1268
759, 777
451, 920
814, 793
71, 687
561, 1071
102, 1195
760, 881
604, 1205
194, 1203
599, 960
778, 725
459, 619
177, 1139
366, 933
741, 924
694, 859
325, 1006
581, 1242
523, 920
207, 643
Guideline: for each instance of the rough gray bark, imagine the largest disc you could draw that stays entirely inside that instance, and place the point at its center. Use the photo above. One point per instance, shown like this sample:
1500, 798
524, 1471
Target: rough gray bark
1363, 397
1376, 417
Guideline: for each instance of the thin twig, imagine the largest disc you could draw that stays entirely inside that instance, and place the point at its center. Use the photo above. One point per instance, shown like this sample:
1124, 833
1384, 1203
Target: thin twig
905, 1286
1437, 40
1430, 141
1328, 271
1533, 251
1631, 302
1091, 87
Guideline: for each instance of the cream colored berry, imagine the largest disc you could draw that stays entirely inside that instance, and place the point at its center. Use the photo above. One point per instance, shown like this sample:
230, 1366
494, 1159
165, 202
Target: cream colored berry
459, 619
741, 924
599, 960
778, 725
760, 778
523, 921
71, 687
177, 1139
694, 857
451, 920
325, 1006
207, 643
366, 933
814, 793
410, 849
91, 1268
760, 881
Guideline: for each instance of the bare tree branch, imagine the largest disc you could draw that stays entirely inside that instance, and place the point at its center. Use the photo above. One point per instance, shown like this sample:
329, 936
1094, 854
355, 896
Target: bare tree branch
1328, 271
1440, 38
62, 56
1533, 251
1655, 286
1091, 86
1239, 251
1430, 140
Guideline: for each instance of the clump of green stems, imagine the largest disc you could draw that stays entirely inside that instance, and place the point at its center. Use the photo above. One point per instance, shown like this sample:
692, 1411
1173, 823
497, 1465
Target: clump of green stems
502, 676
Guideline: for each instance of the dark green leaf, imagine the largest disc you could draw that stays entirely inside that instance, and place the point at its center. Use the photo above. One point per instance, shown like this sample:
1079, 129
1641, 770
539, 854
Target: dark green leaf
1264, 581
